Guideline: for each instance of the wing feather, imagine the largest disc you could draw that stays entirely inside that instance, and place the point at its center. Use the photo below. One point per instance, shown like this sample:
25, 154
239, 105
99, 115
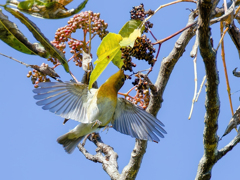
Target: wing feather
136, 122
68, 100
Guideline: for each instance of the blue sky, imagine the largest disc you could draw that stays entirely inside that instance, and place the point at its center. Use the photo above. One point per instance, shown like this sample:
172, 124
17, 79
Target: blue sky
28, 145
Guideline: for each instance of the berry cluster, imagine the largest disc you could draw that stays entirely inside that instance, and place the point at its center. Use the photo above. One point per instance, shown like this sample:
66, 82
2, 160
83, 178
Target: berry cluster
138, 12
87, 21
38, 76
142, 96
148, 25
127, 59
142, 49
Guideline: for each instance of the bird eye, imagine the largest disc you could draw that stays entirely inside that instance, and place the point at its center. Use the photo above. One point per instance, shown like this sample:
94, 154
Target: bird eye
123, 79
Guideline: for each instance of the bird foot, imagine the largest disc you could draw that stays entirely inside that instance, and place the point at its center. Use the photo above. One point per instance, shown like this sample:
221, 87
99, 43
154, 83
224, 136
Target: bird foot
106, 128
97, 122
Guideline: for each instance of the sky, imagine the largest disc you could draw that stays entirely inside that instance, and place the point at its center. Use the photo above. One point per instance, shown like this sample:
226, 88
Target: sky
28, 134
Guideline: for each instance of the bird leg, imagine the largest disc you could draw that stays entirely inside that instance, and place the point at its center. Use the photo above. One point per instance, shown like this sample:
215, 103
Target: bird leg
97, 122
107, 127
85, 139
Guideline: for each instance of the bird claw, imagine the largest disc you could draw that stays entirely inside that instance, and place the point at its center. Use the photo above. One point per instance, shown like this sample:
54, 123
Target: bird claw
97, 122
106, 128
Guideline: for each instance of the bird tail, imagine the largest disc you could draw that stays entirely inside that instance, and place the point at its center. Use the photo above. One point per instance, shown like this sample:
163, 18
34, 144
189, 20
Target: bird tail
69, 144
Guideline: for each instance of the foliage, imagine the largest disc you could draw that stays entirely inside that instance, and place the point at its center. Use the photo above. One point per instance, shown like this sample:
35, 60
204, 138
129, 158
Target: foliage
131, 42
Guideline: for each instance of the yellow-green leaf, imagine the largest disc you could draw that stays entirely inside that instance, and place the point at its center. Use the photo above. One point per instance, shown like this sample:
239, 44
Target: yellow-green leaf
53, 51
97, 71
129, 27
105, 54
106, 51
108, 44
46, 8
11, 35
117, 61
131, 39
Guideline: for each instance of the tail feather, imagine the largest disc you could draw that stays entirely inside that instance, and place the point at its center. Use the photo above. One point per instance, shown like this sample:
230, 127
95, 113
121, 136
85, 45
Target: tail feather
69, 144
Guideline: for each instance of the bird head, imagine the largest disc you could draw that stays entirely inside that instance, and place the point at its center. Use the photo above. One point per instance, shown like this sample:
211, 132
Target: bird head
117, 79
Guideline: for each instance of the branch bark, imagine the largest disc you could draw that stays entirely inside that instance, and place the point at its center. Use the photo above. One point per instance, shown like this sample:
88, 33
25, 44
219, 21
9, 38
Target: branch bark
222, 152
167, 66
109, 161
130, 171
212, 104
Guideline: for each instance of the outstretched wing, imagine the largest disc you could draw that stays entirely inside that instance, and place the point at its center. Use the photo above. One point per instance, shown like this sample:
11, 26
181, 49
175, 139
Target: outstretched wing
68, 100
134, 121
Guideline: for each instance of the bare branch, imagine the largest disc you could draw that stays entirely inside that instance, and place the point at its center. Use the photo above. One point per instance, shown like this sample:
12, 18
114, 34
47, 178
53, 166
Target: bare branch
109, 161
200, 89
95, 158
151, 85
195, 88
168, 64
228, 147
130, 171
235, 36
212, 103
193, 53
235, 120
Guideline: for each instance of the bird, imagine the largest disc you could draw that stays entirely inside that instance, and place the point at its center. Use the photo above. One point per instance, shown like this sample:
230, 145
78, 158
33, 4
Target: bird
95, 109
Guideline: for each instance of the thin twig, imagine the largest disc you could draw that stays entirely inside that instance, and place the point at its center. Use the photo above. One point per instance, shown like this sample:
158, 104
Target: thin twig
225, 5
195, 89
27, 65
36, 67
127, 94
171, 36
73, 76
165, 5
152, 34
223, 34
89, 34
236, 12
225, 69
200, 89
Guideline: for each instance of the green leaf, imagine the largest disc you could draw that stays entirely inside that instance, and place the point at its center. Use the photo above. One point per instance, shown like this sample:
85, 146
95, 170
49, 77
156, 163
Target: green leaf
131, 39
129, 27
97, 71
54, 52
117, 61
46, 9
25, 5
106, 51
109, 44
11, 35
79, 8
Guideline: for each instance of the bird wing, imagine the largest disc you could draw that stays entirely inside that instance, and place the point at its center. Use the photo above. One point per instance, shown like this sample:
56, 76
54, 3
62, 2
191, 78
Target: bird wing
136, 122
68, 100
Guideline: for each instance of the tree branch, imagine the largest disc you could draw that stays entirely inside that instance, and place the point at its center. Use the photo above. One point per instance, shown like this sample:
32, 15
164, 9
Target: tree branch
109, 161
212, 104
228, 147
235, 36
234, 121
130, 171
95, 158
168, 64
